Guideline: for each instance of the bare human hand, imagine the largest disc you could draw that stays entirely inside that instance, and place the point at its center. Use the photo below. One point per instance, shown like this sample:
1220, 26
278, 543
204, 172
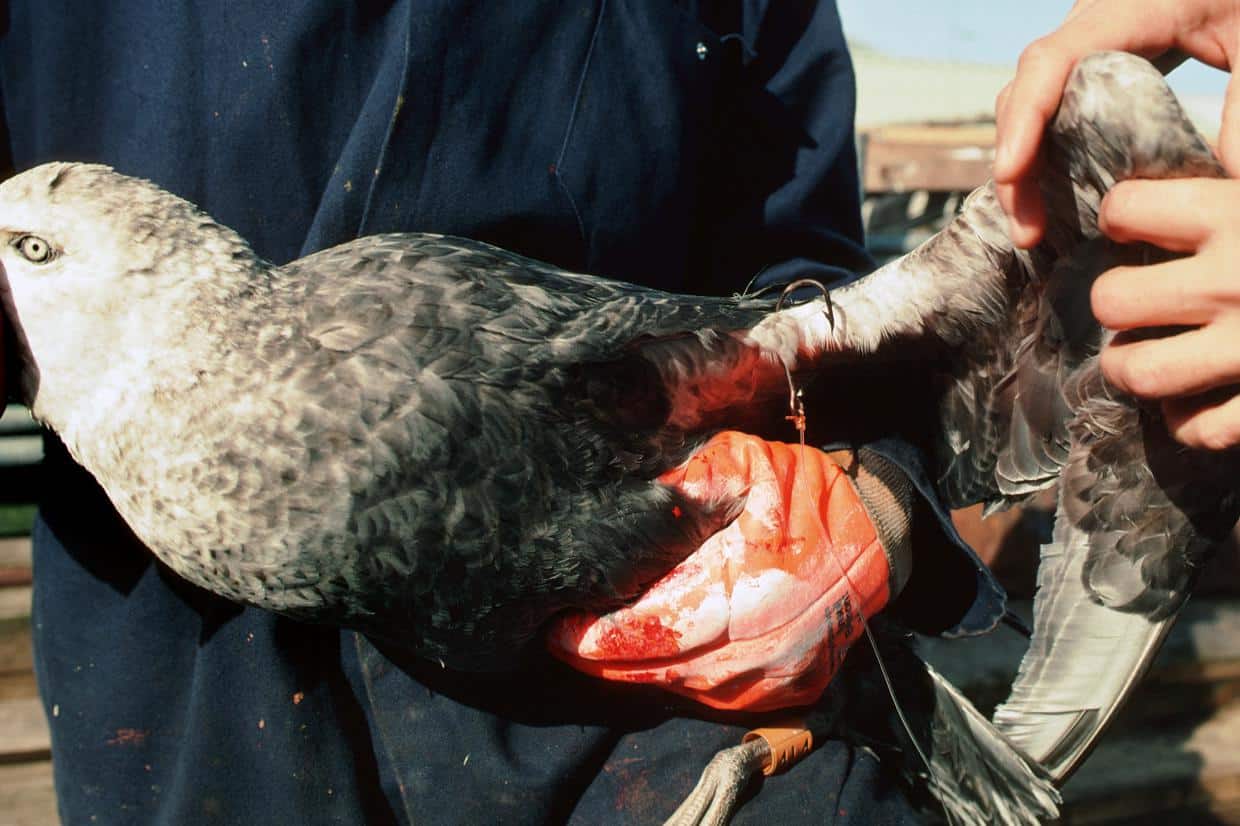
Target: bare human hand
1208, 30
1193, 371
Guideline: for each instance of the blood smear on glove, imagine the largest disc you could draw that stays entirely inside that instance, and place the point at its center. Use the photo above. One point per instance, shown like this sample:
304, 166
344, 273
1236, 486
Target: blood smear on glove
759, 616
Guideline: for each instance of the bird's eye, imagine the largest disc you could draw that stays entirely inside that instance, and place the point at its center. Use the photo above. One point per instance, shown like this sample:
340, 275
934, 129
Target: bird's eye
34, 249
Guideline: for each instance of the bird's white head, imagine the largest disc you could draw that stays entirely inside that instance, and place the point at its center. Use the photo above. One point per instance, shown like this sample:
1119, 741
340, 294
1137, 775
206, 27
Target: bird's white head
97, 267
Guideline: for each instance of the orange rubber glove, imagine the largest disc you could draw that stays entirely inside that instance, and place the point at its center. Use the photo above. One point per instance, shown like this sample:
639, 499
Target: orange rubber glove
761, 615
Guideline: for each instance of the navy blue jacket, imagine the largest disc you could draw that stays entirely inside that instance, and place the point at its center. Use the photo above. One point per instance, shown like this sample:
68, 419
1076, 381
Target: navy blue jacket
687, 146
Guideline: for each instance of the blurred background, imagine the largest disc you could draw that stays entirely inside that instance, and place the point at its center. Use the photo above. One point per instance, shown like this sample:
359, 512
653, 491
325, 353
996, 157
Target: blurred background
927, 77
944, 62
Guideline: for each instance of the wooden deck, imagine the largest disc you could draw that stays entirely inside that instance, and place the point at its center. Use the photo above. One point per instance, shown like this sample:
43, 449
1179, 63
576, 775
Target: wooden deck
26, 796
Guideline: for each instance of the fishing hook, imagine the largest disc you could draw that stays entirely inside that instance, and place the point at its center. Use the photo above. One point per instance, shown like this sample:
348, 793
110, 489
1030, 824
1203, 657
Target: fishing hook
796, 402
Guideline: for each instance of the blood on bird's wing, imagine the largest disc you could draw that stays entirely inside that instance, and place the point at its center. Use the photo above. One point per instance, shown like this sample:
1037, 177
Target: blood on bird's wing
760, 616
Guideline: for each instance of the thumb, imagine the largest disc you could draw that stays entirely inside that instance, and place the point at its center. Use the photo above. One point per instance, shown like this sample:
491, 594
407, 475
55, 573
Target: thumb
1229, 134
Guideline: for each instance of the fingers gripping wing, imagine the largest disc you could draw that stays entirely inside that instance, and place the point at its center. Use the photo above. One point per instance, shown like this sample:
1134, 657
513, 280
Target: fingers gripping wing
1013, 326
1005, 413
1136, 511
1010, 326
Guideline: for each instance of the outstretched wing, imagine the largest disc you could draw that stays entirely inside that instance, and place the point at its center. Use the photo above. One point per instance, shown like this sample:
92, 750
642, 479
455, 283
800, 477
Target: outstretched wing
1137, 512
1117, 120
1028, 406
1024, 404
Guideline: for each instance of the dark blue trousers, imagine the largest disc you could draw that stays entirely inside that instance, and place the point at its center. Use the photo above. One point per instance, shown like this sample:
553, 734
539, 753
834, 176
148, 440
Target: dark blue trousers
685, 145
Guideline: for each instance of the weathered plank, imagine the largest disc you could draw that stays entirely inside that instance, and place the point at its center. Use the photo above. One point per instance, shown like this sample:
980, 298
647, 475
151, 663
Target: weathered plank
26, 736
16, 654
928, 158
27, 797
15, 552
938, 134
15, 604
1167, 771
14, 561
17, 685
16, 651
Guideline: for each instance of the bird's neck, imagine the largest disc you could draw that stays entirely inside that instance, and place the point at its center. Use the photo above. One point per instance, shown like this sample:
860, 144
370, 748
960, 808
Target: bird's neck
165, 342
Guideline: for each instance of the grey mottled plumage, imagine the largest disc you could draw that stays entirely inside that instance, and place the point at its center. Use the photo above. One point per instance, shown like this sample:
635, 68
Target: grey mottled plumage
403, 433
445, 444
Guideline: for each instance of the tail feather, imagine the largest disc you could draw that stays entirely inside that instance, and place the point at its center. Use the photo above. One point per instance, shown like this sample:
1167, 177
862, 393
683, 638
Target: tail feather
973, 772
976, 772
1083, 663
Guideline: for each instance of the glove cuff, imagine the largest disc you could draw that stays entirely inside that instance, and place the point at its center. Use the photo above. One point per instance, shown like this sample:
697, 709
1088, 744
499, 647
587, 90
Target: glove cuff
885, 490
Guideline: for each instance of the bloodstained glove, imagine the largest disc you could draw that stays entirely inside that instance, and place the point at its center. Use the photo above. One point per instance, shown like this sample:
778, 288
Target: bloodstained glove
760, 616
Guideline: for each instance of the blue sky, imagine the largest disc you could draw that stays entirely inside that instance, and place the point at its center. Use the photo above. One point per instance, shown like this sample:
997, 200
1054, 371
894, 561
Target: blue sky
978, 31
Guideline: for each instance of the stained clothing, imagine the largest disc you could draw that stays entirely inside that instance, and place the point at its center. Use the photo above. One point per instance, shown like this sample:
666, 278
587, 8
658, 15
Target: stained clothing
681, 146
